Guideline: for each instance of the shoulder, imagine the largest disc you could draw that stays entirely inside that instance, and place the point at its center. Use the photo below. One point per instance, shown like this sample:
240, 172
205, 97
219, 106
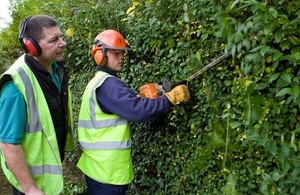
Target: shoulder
9, 90
112, 82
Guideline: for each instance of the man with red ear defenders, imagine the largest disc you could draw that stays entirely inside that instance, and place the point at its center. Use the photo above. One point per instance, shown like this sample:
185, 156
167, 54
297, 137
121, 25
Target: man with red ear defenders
36, 116
108, 105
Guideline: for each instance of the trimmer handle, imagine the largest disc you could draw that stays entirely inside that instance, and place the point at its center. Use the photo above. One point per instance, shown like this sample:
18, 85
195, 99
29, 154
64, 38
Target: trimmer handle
167, 84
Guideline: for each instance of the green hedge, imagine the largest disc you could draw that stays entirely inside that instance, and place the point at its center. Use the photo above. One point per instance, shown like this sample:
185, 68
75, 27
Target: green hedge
239, 134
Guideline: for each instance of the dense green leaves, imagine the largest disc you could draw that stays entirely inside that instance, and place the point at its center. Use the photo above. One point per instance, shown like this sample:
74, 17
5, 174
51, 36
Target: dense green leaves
239, 134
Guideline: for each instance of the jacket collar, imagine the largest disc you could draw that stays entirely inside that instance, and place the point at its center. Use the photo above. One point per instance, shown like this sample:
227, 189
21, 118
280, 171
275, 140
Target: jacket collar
107, 70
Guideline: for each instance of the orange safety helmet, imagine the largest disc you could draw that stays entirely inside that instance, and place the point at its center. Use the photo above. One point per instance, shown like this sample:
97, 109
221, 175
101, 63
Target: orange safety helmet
108, 39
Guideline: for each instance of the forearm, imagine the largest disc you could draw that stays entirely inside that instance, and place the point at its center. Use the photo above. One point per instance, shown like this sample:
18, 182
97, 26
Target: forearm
115, 97
16, 163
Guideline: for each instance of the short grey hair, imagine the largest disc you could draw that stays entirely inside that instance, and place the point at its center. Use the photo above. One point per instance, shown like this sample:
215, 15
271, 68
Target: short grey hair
35, 25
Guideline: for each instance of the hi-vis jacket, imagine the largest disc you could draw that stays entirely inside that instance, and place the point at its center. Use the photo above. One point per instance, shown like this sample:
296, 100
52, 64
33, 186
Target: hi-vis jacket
39, 142
104, 138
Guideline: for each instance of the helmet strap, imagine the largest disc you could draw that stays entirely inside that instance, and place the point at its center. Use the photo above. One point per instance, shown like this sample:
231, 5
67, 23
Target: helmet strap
104, 49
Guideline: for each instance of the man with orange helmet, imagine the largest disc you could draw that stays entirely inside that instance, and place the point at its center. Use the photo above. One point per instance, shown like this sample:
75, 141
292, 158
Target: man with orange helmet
108, 105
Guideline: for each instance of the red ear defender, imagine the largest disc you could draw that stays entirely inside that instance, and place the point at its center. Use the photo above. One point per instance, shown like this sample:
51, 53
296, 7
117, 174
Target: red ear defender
28, 44
32, 47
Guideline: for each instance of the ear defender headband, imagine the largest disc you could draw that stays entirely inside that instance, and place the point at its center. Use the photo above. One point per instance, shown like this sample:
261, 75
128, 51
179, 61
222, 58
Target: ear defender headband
99, 53
28, 44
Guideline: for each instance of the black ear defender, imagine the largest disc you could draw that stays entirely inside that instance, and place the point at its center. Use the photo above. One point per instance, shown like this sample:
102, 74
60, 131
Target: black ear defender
28, 44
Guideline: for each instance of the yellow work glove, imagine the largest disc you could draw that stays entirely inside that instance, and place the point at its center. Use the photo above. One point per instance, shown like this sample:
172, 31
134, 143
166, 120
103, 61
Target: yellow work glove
178, 94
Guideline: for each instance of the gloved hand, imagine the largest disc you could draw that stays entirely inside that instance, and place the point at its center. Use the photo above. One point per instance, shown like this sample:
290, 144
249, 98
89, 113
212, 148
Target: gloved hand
178, 94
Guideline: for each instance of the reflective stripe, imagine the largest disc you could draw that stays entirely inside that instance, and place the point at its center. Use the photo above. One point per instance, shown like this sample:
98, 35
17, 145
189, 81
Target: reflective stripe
92, 102
33, 128
98, 124
50, 169
95, 124
106, 145
39, 170
39, 133
34, 123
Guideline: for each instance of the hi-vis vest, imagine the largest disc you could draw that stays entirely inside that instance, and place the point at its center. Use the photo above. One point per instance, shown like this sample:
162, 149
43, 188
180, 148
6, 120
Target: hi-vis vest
39, 142
104, 138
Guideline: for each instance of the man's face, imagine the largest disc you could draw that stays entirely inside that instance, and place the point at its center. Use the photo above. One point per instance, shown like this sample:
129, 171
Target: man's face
52, 46
115, 59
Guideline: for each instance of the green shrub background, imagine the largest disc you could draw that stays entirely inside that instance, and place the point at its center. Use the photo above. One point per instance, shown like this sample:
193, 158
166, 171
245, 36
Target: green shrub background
240, 132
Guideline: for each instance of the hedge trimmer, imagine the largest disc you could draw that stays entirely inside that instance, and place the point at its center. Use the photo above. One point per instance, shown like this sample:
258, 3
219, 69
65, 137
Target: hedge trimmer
154, 90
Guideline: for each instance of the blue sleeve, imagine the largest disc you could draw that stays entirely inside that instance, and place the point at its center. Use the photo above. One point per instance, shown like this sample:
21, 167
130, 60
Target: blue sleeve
12, 114
114, 96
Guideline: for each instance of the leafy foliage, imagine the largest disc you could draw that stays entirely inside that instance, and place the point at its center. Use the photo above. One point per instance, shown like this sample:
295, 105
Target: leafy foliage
239, 134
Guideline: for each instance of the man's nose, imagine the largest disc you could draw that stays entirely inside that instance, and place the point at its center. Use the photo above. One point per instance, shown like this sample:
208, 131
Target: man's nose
62, 43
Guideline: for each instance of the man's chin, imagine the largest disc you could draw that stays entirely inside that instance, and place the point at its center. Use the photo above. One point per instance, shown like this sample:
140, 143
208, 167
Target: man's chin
59, 57
120, 70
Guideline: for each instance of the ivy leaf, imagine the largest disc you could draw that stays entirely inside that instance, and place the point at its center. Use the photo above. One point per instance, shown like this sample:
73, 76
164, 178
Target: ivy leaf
228, 82
272, 148
285, 44
257, 48
152, 21
254, 7
160, 183
262, 140
277, 55
286, 77
285, 167
280, 156
295, 173
274, 77
273, 12
269, 28
254, 137
279, 35
236, 125
295, 51
246, 43
234, 4
276, 176
285, 150
264, 50
295, 91
226, 115
283, 92
245, 68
